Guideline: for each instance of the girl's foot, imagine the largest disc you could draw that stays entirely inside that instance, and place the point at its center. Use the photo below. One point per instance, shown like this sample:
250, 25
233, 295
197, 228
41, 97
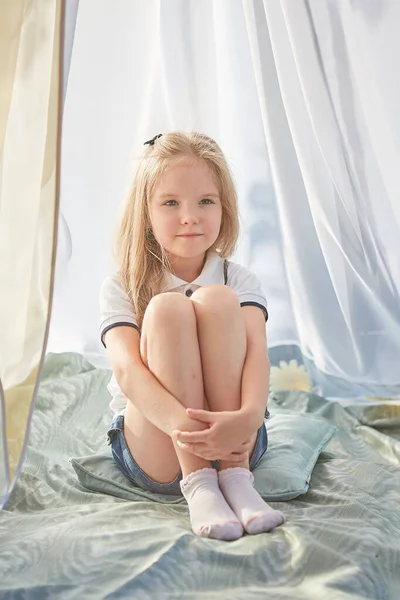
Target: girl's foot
252, 511
210, 515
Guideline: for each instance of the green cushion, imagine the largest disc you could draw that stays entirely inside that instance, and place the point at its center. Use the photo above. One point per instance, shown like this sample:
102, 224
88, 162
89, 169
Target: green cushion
295, 443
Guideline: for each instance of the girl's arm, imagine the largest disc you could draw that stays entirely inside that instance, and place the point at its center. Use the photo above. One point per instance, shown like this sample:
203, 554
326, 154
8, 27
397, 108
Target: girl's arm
139, 384
256, 370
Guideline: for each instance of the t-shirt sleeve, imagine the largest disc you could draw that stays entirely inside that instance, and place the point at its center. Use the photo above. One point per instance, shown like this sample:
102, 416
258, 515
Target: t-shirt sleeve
247, 286
115, 306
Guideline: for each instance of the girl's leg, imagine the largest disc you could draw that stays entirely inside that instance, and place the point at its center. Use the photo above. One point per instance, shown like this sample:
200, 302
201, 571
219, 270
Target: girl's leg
223, 346
222, 341
170, 349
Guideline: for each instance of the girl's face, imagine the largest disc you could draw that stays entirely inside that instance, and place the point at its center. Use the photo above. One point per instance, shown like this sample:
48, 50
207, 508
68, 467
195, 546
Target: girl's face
186, 210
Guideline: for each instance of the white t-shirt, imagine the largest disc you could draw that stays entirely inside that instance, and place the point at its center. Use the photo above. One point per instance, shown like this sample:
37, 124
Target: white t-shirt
116, 308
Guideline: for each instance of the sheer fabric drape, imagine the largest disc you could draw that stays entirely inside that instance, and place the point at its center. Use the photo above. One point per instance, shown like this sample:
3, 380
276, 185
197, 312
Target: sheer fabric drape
303, 98
30, 71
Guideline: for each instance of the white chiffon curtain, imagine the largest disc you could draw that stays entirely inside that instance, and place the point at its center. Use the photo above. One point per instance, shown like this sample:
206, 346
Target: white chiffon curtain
303, 97
329, 93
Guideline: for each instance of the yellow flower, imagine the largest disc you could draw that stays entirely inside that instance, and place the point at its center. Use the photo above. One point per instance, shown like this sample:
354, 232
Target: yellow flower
290, 376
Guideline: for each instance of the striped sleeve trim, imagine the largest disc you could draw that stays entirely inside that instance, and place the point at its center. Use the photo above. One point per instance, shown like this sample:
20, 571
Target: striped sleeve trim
116, 325
259, 306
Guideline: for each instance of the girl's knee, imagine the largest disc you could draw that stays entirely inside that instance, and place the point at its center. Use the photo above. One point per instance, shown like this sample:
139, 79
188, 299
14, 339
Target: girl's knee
170, 308
219, 296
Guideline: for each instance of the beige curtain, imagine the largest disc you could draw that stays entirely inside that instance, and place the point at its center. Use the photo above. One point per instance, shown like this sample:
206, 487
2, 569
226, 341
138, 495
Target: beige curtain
30, 98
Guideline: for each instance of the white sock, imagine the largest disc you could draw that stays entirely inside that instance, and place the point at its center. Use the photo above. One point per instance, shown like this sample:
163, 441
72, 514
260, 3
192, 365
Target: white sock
253, 512
210, 515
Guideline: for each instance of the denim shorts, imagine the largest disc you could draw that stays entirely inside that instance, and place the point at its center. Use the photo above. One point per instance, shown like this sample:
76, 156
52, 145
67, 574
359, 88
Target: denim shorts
134, 473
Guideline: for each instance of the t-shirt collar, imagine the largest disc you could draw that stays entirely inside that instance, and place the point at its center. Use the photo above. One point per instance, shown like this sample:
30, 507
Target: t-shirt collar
212, 272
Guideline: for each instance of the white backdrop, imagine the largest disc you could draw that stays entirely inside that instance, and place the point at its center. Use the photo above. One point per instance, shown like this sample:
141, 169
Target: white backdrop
303, 97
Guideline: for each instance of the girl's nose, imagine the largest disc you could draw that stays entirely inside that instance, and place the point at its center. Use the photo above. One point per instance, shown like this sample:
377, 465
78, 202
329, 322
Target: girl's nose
189, 218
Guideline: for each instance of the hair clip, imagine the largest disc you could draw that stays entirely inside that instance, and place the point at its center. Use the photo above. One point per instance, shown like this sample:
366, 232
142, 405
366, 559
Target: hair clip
151, 142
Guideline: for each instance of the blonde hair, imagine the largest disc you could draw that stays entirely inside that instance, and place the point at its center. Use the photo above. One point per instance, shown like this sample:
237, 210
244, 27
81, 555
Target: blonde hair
141, 259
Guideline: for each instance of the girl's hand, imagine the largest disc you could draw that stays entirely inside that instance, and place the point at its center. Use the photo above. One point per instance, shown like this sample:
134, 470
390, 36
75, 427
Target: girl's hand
240, 454
227, 436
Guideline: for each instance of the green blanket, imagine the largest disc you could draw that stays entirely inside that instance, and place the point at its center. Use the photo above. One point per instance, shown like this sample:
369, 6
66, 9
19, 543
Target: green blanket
58, 540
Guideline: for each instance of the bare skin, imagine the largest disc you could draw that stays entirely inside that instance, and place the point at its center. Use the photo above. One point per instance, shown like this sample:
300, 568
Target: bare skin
196, 348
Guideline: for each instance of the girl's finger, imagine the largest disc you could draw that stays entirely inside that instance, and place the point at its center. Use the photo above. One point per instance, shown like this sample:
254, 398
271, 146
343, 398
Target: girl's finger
187, 447
197, 449
239, 457
202, 415
192, 436
236, 456
206, 455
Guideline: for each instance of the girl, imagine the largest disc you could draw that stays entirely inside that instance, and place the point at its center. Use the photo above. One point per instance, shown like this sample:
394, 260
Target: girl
185, 334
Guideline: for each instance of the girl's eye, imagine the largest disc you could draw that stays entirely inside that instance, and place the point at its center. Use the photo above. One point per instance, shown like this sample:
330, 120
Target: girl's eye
204, 200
